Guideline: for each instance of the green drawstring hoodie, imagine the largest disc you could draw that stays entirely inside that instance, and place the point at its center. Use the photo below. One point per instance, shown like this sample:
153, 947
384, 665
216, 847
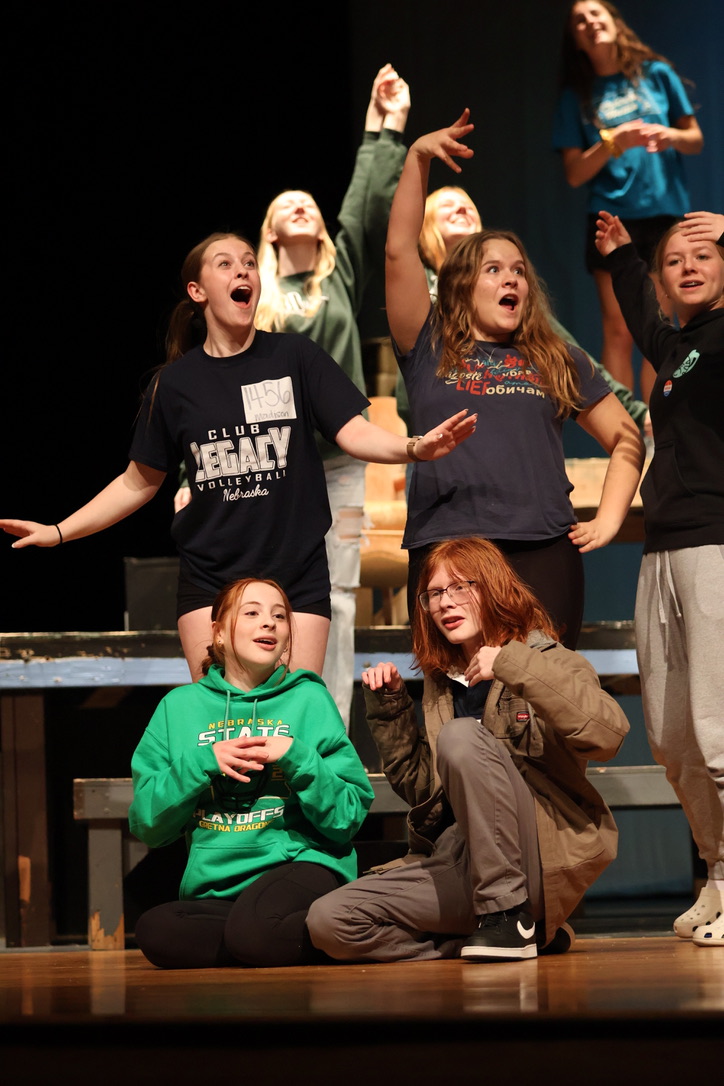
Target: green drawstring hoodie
307, 806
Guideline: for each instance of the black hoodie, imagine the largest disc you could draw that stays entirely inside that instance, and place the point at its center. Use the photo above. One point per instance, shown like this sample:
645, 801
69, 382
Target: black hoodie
683, 490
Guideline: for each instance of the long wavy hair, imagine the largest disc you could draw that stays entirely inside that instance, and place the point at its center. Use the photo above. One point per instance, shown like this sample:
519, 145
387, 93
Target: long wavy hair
270, 315
576, 70
453, 320
506, 608
431, 244
225, 612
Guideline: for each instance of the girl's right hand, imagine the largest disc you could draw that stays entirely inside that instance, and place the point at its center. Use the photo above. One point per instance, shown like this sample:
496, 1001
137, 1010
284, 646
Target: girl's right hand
384, 677
31, 534
446, 142
610, 233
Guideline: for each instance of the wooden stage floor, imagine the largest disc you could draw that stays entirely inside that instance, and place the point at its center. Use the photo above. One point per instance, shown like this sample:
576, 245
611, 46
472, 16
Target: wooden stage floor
637, 1009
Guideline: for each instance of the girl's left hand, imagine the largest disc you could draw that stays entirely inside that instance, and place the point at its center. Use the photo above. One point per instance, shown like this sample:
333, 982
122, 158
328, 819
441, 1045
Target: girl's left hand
277, 745
702, 226
441, 440
480, 667
656, 137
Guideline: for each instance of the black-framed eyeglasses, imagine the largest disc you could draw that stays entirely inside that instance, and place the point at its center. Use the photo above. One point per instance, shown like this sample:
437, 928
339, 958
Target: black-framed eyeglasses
457, 592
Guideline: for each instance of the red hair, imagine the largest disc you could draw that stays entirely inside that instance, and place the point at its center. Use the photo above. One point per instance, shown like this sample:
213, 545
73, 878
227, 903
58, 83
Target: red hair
506, 607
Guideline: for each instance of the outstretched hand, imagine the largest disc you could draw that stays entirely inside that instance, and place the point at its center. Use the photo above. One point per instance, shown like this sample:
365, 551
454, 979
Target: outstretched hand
702, 226
442, 439
31, 534
610, 233
445, 142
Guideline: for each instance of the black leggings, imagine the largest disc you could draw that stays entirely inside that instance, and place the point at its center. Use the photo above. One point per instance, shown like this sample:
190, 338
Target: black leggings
552, 569
265, 926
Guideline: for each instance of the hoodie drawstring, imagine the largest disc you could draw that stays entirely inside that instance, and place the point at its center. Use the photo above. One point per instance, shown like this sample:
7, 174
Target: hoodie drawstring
665, 586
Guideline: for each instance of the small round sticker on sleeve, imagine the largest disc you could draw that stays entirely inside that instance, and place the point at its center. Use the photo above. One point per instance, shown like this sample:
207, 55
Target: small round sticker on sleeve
668, 387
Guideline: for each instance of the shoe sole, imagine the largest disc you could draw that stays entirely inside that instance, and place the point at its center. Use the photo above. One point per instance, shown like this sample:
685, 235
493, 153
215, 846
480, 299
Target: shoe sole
498, 953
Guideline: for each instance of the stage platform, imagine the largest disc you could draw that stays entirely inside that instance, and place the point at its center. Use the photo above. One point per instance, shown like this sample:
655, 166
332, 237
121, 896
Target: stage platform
640, 1009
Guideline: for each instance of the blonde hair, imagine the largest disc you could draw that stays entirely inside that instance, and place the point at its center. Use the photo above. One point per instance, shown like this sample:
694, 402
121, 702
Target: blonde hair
535, 340
431, 243
271, 312
505, 607
225, 611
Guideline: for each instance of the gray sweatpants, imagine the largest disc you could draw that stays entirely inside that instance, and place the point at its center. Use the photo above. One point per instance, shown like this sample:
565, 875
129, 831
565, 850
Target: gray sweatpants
679, 622
486, 861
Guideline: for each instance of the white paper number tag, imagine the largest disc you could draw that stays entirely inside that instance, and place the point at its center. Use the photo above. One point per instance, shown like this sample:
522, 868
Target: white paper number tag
269, 401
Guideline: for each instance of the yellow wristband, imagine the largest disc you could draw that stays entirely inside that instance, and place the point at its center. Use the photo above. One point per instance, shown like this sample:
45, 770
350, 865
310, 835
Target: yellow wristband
609, 143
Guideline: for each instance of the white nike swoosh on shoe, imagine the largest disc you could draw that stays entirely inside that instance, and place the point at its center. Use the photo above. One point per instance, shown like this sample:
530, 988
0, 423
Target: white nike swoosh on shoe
527, 933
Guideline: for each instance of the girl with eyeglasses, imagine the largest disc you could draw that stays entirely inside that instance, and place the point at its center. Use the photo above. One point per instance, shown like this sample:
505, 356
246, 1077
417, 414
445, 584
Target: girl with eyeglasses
506, 832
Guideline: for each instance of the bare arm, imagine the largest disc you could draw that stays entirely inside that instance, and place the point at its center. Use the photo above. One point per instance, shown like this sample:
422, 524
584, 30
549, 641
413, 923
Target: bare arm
407, 294
127, 493
615, 431
365, 441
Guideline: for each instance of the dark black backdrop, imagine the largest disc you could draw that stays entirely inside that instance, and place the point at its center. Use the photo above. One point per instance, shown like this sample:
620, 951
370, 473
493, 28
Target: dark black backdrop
134, 130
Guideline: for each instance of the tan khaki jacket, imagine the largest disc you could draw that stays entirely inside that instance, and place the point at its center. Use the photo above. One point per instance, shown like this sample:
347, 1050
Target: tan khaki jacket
547, 706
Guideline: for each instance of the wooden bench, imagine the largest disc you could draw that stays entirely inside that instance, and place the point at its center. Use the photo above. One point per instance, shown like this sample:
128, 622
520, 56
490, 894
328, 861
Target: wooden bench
103, 802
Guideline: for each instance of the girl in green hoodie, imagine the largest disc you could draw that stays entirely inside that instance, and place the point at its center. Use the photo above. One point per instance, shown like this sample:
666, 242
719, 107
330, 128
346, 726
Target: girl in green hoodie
253, 765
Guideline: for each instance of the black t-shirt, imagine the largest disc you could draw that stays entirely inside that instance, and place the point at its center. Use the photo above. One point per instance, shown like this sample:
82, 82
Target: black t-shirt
245, 428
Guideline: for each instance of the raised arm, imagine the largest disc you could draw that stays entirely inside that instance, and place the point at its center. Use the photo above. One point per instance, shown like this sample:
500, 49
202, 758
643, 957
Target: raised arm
127, 493
407, 294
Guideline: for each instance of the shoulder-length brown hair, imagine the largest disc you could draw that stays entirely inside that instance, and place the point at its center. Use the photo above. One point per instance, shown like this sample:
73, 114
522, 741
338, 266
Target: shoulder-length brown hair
576, 70
507, 609
225, 612
453, 320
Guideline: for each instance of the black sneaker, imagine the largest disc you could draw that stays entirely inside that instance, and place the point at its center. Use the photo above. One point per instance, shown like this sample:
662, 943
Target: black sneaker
507, 936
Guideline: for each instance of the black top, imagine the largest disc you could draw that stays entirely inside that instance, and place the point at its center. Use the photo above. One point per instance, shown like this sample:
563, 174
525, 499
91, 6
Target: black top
245, 427
683, 490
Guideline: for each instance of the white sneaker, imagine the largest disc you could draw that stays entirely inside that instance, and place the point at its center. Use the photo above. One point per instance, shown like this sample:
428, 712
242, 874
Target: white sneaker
706, 909
711, 934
